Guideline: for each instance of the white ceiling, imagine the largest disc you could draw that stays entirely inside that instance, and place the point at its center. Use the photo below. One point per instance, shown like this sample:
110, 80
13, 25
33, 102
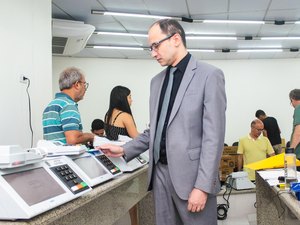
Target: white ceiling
267, 10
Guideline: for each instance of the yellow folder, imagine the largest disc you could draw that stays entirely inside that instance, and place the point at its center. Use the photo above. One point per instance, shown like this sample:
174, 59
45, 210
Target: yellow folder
276, 161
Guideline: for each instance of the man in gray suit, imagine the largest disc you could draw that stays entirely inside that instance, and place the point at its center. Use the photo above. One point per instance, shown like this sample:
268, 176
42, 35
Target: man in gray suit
186, 135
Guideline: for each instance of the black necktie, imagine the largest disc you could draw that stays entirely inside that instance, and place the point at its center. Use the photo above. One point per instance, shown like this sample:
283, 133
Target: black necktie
162, 117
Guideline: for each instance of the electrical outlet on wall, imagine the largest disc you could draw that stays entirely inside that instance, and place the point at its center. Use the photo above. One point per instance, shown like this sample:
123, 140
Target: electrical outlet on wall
23, 79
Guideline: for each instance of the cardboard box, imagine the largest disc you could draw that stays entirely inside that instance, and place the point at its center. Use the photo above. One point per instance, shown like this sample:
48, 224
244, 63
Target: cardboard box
229, 161
283, 143
224, 173
228, 150
228, 164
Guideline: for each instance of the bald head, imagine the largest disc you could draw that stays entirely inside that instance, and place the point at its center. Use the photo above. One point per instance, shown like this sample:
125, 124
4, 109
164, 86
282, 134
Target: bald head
257, 128
256, 122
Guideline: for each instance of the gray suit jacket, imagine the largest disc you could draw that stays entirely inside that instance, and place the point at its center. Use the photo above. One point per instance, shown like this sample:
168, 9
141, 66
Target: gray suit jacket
195, 132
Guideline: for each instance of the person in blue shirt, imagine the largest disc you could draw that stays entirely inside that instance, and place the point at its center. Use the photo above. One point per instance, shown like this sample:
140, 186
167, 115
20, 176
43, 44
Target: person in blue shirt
61, 118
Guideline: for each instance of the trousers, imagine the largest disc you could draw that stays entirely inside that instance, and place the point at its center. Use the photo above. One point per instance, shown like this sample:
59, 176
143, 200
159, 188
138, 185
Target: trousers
171, 210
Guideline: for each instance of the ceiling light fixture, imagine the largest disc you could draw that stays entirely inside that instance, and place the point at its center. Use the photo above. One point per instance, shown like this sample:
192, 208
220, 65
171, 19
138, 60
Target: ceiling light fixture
210, 38
190, 20
260, 50
190, 37
224, 50
115, 47
209, 33
234, 21
201, 50
279, 38
201, 37
107, 13
120, 34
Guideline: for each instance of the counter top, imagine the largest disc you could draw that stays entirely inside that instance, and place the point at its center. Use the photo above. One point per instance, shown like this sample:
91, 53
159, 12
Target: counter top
107, 202
275, 206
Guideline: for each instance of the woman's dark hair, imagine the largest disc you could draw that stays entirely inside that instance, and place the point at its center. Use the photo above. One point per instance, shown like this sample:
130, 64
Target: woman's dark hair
118, 100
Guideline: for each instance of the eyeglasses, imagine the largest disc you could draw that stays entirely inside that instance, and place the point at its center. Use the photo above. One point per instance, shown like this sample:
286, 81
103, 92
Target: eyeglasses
155, 45
86, 84
259, 130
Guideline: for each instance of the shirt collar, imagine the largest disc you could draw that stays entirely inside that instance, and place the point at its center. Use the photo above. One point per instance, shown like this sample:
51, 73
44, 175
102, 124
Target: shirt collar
181, 66
61, 94
251, 138
297, 106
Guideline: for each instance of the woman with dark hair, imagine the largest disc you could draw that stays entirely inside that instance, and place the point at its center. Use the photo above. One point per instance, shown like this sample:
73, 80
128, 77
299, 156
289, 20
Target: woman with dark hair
119, 121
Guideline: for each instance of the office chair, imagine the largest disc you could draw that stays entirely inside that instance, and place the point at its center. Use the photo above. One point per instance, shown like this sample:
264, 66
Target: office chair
235, 143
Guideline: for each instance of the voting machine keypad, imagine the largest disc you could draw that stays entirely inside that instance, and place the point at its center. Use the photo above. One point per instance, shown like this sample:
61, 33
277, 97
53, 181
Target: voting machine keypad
108, 164
70, 178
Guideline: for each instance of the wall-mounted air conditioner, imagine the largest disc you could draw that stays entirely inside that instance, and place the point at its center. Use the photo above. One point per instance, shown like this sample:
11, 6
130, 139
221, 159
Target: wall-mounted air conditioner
69, 37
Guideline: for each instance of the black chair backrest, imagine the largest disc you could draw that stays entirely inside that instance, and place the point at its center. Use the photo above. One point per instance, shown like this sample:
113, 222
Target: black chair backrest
235, 143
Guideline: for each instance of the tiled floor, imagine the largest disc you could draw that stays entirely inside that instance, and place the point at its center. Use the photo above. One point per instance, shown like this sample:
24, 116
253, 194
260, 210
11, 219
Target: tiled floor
250, 220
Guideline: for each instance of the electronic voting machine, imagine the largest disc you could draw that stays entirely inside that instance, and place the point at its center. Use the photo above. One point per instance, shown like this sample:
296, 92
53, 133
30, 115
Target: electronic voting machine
120, 162
94, 169
31, 184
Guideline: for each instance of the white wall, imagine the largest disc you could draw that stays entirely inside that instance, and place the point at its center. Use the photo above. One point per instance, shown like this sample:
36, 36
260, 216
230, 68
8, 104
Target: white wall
103, 75
25, 43
250, 85
259, 84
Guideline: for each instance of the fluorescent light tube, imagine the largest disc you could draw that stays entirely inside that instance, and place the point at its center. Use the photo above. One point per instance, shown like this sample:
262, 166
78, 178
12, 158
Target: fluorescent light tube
210, 38
120, 34
136, 15
129, 14
280, 38
259, 50
234, 21
201, 50
116, 47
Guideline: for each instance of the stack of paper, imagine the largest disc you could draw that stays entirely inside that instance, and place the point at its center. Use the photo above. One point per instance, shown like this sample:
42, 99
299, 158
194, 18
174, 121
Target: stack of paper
56, 148
103, 140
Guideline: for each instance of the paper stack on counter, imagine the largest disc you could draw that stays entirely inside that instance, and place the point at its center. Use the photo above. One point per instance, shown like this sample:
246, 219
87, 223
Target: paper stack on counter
103, 140
56, 148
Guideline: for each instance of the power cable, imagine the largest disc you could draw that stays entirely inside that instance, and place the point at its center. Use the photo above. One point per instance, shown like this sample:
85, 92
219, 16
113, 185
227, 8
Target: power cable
222, 209
29, 110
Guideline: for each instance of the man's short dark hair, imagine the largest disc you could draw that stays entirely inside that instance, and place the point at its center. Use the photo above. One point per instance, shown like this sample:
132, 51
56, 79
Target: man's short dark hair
97, 124
295, 94
259, 113
171, 26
